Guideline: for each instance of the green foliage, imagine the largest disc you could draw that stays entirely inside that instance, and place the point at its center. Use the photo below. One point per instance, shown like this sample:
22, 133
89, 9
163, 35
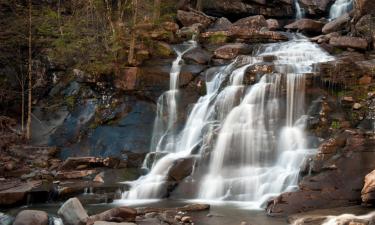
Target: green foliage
335, 125
218, 38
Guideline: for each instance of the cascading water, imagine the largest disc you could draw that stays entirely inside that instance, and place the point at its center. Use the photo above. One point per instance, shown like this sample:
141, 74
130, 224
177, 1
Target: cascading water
164, 134
299, 11
253, 135
339, 8
256, 156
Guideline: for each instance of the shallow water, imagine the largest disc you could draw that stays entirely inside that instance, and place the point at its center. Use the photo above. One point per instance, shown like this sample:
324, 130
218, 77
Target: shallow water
219, 214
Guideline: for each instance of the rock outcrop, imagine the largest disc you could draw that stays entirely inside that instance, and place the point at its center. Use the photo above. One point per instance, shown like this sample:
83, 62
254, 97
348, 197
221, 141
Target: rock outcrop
335, 181
349, 42
306, 25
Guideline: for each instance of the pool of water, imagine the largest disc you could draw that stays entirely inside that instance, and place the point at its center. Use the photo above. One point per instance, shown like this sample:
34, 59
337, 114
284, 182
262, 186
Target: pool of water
219, 214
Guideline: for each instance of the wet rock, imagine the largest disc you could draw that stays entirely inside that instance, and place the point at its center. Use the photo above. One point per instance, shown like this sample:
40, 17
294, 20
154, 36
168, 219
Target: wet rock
128, 79
252, 22
197, 55
121, 214
349, 42
31, 217
328, 185
181, 169
194, 208
73, 213
231, 51
306, 25
368, 191
337, 24
190, 18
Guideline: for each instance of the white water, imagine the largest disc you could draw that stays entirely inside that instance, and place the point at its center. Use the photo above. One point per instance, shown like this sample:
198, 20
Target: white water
164, 136
339, 8
299, 11
260, 143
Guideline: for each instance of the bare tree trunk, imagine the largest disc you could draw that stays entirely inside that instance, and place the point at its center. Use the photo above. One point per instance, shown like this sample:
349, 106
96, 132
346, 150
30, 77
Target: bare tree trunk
133, 35
156, 10
109, 14
28, 126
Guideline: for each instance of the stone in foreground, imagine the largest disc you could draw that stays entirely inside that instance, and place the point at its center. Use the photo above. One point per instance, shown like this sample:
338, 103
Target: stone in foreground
31, 217
73, 213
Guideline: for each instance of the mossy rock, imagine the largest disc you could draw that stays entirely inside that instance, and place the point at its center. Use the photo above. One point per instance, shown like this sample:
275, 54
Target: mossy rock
163, 49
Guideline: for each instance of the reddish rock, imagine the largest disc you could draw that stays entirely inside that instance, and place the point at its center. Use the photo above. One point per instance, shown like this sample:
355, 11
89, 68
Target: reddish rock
316, 7
365, 80
15, 192
252, 22
368, 191
128, 79
31, 217
349, 42
231, 51
306, 25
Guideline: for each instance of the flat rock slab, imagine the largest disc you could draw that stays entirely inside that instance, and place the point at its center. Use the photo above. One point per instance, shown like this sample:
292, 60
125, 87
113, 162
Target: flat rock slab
14, 192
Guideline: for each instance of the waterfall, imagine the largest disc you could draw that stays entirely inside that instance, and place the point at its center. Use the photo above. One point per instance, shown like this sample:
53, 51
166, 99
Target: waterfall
339, 8
250, 139
299, 11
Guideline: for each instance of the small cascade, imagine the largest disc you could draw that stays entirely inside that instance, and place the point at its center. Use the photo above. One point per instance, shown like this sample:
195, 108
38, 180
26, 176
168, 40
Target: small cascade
299, 11
339, 8
164, 135
249, 139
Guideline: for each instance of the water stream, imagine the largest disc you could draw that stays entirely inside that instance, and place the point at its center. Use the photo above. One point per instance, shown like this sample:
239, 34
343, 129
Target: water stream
249, 139
339, 8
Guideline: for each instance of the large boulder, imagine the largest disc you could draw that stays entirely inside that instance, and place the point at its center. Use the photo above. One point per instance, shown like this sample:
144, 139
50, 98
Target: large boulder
337, 24
254, 22
181, 169
365, 28
121, 214
188, 18
220, 24
31, 217
306, 25
230, 51
368, 191
73, 213
349, 42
